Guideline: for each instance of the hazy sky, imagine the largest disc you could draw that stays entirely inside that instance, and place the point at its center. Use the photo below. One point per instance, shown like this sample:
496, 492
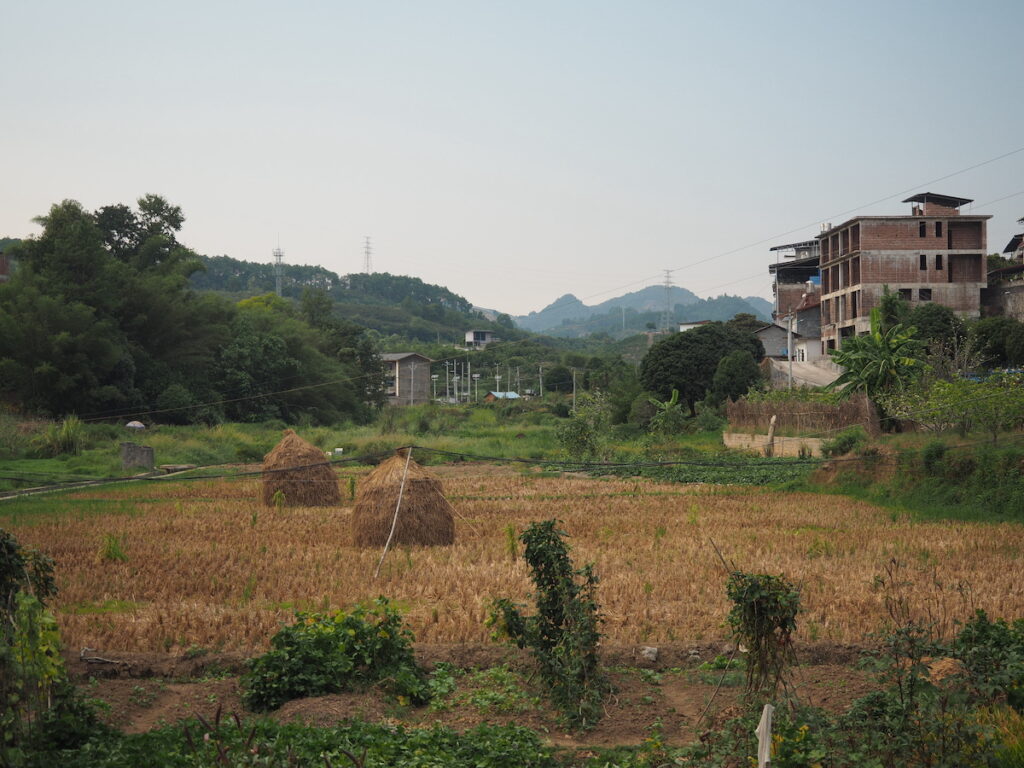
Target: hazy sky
513, 151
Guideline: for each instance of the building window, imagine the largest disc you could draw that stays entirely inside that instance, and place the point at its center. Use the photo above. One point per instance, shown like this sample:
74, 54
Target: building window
924, 261
906, 294
922, 230
924, 294
938, 229
938, 261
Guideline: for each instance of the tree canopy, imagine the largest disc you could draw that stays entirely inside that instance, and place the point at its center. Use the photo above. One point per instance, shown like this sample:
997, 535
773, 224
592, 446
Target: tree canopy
99, 320
687, 361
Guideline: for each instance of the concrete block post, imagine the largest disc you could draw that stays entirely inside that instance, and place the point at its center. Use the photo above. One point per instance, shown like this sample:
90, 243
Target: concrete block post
133, 455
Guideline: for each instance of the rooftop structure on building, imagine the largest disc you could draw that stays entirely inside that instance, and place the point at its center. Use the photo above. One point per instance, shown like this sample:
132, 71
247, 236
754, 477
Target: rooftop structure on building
1015, 248
936, 254
801, 266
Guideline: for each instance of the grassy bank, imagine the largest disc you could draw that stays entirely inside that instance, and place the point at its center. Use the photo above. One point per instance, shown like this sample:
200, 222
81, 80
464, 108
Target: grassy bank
934, 478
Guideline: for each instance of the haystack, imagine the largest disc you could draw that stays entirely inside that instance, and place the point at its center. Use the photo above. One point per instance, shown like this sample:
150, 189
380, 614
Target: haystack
424, 518
299, 470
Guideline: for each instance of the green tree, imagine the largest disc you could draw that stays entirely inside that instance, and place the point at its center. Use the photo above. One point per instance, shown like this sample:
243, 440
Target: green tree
688, 361
993, 335
893, 309
735, 375
745, 321
558, 379
935, 323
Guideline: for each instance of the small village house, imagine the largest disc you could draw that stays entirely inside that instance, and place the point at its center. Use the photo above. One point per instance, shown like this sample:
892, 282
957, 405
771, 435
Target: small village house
406, 378
480, 339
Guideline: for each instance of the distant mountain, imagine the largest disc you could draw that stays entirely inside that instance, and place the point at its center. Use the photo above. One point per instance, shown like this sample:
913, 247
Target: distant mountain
569, 316
763, 306
569, 308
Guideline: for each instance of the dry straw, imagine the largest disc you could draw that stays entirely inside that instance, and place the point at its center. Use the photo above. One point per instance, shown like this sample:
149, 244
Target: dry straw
298, 470
424, 518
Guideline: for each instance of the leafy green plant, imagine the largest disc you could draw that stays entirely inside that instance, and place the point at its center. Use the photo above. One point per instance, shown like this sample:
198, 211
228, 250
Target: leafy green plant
38, 706
884, 359
845, 442
499, 689
669, 417
563, 634
329, 653
763, 617
931, 456
61, 439
112, 549
584, 435
992, 653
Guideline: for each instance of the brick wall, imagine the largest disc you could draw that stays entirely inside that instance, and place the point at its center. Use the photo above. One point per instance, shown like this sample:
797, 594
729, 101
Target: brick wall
966, 235
789, 295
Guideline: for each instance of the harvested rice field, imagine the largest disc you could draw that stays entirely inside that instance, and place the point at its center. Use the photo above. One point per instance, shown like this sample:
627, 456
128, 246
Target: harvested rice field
167, 566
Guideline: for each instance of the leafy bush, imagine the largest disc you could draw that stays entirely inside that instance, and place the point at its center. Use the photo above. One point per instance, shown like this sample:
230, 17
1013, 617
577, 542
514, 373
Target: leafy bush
845, 442
225, 741
330, 653
763, 617
563, 634
932, 456
709, 419
38, 706
992, 653
584, 436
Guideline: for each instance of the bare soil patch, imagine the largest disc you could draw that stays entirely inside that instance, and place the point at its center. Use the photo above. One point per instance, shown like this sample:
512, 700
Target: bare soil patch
152, 690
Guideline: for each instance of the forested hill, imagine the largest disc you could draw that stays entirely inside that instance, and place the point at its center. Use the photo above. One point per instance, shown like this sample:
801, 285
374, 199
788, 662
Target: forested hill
98, 320
229, 275
392, 305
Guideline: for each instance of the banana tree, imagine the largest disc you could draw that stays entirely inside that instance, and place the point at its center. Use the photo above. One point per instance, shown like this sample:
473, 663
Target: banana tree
880, 361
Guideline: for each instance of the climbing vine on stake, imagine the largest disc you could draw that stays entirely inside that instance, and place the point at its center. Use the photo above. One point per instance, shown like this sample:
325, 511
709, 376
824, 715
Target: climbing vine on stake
763, 618
563, 634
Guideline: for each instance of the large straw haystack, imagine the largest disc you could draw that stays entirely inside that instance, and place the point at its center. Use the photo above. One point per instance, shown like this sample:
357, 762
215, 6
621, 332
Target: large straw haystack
299, 470
424, 518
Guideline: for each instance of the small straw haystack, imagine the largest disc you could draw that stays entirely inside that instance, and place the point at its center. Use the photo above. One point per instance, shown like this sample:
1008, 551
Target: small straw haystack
424, 519
299, 470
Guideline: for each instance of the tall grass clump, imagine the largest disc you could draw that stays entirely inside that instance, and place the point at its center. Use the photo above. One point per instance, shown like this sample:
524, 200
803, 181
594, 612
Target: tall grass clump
61, 439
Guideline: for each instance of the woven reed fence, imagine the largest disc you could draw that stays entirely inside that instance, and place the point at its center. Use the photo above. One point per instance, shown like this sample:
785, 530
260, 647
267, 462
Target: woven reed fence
802, 416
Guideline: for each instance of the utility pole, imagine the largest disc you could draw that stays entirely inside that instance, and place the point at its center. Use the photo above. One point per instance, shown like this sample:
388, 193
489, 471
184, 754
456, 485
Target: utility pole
574, 390
412, 383
447, 388
433, 380
541, 388
789, 345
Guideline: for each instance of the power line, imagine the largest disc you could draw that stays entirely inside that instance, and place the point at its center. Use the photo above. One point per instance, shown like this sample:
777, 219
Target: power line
778, 236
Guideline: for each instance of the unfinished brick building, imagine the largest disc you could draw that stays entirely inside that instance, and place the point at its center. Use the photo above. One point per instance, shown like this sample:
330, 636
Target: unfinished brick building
935, 254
